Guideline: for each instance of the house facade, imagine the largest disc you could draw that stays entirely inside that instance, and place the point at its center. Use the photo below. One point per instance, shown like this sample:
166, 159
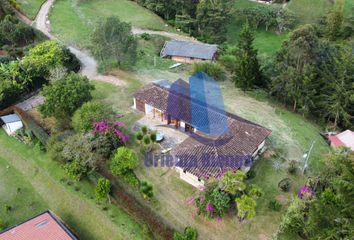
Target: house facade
189, 52
201, 156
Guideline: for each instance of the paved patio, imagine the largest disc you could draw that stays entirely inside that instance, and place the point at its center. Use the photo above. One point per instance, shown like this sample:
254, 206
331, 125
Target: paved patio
172, 136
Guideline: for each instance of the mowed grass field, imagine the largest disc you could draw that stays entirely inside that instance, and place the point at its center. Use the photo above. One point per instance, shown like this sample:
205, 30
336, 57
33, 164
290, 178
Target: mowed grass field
73, 22
30, 7
44, 185
309, 11
269, 42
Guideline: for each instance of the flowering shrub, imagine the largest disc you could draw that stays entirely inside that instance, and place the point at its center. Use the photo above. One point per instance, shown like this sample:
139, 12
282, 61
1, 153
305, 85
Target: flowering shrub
104, 127
213, 202
305, 192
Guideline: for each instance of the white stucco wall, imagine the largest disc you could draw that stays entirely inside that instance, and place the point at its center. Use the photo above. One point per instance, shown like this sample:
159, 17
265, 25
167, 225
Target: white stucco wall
190, 178
260, 147
148, 109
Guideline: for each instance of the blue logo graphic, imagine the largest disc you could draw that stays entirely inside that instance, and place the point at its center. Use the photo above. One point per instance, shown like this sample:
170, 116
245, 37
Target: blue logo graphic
199, 103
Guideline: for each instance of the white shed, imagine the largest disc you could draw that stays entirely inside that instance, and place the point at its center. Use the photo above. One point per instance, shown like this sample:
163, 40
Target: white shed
12, 123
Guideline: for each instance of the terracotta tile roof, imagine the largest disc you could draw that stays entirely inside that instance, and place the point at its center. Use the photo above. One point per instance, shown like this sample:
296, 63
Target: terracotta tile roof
45, 226
201, 154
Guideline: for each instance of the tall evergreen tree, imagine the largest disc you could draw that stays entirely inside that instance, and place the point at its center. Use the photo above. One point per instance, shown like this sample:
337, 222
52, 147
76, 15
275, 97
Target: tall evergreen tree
212, 17
338, 100
247, 68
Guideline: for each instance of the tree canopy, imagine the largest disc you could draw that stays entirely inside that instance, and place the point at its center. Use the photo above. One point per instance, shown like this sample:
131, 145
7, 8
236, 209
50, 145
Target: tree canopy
64, 96
113, 43
123, 160
90, 112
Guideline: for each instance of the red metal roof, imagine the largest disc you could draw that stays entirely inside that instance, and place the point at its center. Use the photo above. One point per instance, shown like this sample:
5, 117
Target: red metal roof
335, 141
42, 227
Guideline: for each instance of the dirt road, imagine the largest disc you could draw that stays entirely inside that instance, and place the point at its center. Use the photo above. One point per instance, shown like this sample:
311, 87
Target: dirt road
88, 63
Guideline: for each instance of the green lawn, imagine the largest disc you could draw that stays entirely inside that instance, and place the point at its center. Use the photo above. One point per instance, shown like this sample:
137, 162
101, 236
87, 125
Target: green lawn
349, 8
266, 42
30, 7
309, 11
18, 193
45, 185
73, 23
269, 42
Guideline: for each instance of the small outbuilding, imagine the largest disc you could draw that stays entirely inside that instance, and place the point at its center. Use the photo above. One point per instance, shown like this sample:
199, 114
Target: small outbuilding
343, 139
11, 123
189, 52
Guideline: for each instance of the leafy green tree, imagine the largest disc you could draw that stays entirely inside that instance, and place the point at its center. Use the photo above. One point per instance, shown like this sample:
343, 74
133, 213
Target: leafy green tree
89, 112
221, 201
330, 215
75, 170
123, 160
213, 201
295, 82
233, 182
43, 57
294, 220
103, 188
12, 83
113, 40
334, 21
254, 191
87, 150
212, 18
247, 73
64, 96
246, 207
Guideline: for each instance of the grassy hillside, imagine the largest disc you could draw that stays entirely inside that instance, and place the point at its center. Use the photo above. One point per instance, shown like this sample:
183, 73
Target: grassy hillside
44, 184
309, 11
18, 193
83, 16
268, 42
30, 7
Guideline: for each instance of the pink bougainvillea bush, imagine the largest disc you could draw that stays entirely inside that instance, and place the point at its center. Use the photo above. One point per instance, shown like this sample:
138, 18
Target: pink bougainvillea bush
305, 192
116, 129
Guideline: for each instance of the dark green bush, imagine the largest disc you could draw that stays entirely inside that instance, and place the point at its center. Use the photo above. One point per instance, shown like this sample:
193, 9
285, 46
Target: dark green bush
292, 169
214, 70
251, 174
189, 233
275, 205
146, 189
145, 36
285, 184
